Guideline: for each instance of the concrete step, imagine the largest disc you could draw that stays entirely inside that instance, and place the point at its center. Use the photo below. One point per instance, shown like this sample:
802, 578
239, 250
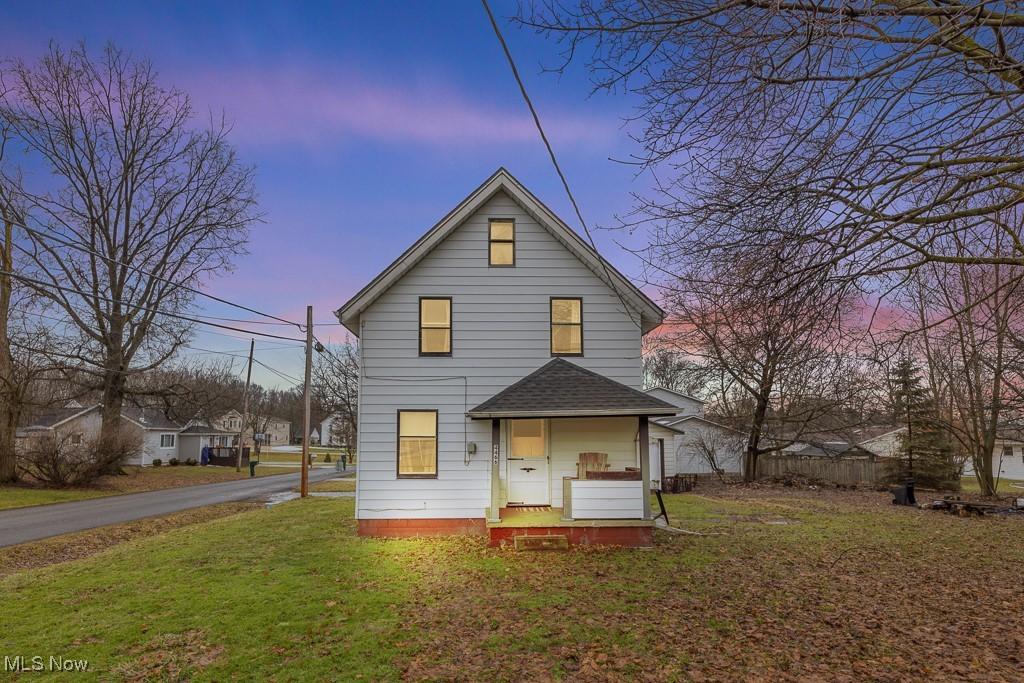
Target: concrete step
552, 542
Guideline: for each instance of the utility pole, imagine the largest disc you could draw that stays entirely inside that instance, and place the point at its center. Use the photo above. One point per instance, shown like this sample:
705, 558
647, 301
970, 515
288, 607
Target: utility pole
304, 485
245, 408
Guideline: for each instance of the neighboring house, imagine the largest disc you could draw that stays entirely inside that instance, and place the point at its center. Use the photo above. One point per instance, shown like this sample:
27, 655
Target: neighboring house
494, 351
332, 431
314, 436
198, 435
1007, 454
887, 444
276, 430
688, 443
686, 404
76, 425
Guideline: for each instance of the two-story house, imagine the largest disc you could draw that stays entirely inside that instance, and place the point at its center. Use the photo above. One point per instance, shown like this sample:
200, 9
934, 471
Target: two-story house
500, 382
276, 431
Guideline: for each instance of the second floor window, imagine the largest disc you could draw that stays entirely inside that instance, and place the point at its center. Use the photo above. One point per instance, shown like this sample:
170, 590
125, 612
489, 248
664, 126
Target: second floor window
566, 327
435, 326
502, 242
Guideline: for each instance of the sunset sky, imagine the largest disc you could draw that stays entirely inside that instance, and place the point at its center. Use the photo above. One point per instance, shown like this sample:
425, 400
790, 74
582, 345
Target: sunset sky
367, 122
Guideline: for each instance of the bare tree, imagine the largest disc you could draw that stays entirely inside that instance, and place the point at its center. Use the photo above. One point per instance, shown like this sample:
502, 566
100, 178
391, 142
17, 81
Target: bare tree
716, 446
336, 387
969, 327
774, 360
145, 207
9, 383
888, 126
666, 367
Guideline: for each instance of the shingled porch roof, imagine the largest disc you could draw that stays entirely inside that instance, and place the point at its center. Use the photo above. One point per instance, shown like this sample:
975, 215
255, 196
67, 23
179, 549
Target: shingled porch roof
564, 389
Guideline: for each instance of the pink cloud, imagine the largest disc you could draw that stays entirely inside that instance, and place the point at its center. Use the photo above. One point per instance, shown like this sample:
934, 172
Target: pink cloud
315, 107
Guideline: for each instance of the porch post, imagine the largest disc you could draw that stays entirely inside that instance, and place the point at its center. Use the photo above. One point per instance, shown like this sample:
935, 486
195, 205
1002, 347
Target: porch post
645, 465
493, 514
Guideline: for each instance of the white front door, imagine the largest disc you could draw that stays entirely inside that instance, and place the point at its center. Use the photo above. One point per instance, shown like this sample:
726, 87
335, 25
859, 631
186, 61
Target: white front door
528, 482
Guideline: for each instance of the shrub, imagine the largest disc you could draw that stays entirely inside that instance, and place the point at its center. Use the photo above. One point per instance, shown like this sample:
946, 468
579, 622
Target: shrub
54, 461
192, 461
173, 462
157, 462
327, 458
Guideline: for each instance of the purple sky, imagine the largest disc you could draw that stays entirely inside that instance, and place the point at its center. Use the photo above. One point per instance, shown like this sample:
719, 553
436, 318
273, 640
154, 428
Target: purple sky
366, 121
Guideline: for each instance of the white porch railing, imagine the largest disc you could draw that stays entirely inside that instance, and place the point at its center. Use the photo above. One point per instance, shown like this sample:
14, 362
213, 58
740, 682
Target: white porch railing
602, 499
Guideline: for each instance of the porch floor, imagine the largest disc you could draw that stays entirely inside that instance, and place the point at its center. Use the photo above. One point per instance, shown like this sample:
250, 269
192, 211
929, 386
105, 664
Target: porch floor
526, 518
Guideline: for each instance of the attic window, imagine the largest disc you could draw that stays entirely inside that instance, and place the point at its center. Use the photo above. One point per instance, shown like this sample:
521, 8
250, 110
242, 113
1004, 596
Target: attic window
502, 242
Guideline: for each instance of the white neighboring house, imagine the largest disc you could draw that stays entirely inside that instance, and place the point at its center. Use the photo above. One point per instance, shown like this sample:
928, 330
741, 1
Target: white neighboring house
687, 442
493, 352
329, 435
75, 425
1007, 454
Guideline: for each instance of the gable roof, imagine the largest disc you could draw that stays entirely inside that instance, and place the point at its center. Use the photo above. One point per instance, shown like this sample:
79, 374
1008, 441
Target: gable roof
676, 423
650, 313
146, 418
563, 389
676, 393
53, 417
149, 418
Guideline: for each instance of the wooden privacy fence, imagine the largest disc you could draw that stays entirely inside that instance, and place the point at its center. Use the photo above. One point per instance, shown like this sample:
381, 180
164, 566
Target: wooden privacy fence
846, 471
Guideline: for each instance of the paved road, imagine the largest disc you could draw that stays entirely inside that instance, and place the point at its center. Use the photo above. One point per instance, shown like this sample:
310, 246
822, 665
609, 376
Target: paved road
29, 524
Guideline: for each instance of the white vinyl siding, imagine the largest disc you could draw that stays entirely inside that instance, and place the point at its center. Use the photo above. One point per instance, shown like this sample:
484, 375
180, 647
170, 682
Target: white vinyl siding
501, 332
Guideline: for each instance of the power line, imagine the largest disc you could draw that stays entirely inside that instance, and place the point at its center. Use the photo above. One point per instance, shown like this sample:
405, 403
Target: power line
551, 153
61, 240
44, 285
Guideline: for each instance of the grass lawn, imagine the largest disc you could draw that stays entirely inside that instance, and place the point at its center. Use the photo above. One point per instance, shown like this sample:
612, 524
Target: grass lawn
137, 479
347, 484
1005, 487
784, 586
280, 456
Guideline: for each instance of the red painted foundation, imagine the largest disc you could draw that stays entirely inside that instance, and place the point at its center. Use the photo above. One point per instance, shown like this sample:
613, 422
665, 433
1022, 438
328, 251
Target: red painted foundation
411, 528
625, 536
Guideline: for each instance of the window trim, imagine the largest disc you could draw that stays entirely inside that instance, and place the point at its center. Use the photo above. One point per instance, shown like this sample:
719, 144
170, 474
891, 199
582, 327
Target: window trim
451, 326
398, 443
173, 440
491, 240
552, 323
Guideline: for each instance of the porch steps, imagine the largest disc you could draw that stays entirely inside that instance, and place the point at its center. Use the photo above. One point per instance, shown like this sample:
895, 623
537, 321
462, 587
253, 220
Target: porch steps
547, 542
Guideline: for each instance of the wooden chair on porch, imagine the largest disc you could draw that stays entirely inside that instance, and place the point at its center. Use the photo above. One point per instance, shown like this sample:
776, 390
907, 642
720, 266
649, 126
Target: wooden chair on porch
591, 462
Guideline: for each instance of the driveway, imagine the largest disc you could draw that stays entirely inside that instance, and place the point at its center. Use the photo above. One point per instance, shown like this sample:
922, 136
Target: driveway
32, 523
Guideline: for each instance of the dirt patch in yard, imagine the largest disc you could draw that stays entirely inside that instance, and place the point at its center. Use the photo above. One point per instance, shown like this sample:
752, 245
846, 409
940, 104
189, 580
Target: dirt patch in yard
85, 543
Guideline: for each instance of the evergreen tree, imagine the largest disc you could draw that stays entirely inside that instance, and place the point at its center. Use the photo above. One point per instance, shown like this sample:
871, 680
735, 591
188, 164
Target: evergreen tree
926, 452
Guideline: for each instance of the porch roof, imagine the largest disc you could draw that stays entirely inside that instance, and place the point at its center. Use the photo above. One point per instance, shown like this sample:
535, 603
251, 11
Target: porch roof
563, 389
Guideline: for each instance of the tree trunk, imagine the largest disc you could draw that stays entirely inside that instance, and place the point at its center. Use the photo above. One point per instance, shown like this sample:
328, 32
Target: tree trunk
113, 401
10, 404
754, 440
983, 470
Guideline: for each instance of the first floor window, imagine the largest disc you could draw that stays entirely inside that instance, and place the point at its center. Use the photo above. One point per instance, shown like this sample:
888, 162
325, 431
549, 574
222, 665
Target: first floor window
566, 327
167, 441
417, 443
75, 439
